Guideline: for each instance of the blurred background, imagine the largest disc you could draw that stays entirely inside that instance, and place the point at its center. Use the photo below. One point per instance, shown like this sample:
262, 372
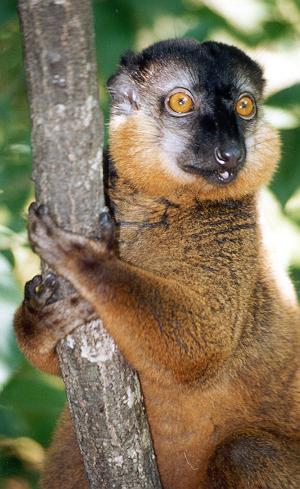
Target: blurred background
267, 29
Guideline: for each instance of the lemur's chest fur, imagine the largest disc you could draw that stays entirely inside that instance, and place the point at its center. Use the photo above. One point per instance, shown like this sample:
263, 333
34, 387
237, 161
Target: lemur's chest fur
207, 246
185, 239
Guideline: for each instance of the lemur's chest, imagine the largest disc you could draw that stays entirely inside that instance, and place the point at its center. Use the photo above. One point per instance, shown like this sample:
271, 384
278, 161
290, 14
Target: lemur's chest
184, 237
156, 238
188, 250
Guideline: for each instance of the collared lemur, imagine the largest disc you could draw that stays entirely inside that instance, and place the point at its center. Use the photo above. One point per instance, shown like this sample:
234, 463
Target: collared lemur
186, 288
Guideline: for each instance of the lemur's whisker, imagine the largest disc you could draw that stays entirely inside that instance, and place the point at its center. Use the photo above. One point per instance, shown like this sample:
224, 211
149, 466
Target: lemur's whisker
262, 142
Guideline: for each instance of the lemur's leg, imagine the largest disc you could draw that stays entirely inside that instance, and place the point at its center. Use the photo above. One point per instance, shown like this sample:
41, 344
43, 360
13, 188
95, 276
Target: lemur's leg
145, 314
255, 459
40, 321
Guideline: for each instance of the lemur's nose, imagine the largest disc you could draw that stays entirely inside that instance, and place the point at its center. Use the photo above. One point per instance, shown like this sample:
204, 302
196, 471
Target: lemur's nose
230, 157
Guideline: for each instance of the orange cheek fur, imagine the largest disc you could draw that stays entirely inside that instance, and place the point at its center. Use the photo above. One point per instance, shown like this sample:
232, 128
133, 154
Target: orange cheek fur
135, 149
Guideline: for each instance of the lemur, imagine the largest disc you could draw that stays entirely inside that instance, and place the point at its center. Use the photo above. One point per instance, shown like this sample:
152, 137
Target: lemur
186, 288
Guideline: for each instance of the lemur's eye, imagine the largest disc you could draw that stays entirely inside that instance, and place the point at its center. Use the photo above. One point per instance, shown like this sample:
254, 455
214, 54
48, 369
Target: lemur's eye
179, 102
245, 106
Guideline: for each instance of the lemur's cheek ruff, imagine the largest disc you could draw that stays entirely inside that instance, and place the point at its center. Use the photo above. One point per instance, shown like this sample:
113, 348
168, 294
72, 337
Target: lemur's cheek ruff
136, 149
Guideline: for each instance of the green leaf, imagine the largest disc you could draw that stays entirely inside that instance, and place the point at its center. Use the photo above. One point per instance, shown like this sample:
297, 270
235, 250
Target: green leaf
287, 98
30, 404
8, 10
276, 29
295, 276
115, 28
287, 178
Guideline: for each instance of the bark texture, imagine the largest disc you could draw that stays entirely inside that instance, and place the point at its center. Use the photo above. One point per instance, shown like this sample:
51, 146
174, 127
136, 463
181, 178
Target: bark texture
103, 392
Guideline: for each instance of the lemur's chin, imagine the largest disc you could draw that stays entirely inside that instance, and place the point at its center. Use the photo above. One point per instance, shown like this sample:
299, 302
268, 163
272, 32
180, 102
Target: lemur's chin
217, 176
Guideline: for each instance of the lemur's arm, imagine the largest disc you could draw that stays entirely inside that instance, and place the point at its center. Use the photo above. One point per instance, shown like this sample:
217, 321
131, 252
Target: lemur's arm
144, 313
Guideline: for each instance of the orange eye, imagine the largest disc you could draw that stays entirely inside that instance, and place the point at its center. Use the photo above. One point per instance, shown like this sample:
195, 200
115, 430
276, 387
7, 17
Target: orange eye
180, 102
245, 107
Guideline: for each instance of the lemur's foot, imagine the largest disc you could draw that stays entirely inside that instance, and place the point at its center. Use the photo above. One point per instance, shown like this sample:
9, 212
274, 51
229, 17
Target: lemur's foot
58, 247
41, 299
39, 293
42, 320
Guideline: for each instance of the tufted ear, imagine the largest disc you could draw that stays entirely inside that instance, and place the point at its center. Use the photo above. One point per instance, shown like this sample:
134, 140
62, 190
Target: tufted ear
123, 85
124, 93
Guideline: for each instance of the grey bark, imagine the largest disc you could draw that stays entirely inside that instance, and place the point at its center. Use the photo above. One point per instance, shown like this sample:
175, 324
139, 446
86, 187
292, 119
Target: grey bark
103, 392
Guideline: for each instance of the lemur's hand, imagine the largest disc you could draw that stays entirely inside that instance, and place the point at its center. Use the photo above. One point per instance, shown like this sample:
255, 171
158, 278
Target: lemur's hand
58, 247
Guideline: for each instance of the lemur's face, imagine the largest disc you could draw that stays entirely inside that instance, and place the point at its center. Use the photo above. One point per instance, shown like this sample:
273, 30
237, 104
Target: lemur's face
192, 112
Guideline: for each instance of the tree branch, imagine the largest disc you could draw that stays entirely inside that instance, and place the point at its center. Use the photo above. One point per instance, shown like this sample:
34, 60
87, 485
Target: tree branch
103, 392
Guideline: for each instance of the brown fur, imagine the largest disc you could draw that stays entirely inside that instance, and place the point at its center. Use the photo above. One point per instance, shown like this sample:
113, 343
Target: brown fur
192, 301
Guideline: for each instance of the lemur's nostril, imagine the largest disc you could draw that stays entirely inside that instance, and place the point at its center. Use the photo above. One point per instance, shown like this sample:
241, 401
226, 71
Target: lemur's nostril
229, 157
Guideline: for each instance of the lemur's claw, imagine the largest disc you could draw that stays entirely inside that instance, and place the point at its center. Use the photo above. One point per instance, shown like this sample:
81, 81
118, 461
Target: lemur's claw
30, 287
38, 209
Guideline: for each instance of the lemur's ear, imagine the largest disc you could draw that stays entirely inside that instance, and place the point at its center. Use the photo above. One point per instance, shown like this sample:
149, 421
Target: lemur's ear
123, 87
124, 93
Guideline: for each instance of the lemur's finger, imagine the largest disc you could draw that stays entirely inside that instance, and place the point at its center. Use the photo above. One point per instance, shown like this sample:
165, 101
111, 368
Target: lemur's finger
30, 287
107, 227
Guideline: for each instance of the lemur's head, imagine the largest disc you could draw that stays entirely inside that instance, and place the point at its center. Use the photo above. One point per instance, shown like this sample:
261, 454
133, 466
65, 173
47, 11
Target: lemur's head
189, 114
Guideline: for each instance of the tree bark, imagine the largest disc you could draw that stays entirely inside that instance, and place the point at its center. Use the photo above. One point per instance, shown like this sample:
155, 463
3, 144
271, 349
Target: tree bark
103, 392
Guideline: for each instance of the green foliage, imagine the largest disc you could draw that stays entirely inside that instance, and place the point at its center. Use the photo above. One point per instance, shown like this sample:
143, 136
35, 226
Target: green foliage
29, 406
289, 172
30, 401
7, 12
288, 98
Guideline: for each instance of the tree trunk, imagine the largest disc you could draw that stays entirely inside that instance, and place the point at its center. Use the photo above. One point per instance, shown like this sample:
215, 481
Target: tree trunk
103, 392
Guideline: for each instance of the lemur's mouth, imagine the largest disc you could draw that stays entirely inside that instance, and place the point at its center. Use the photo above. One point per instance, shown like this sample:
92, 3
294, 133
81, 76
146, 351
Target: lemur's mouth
219, 175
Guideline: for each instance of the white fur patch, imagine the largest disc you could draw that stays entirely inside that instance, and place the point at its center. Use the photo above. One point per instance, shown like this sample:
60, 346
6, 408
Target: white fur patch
168, 162
172, 147
116, 121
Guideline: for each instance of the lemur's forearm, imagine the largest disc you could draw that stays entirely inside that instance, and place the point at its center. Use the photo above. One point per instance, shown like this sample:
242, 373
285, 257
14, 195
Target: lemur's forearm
146, 315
